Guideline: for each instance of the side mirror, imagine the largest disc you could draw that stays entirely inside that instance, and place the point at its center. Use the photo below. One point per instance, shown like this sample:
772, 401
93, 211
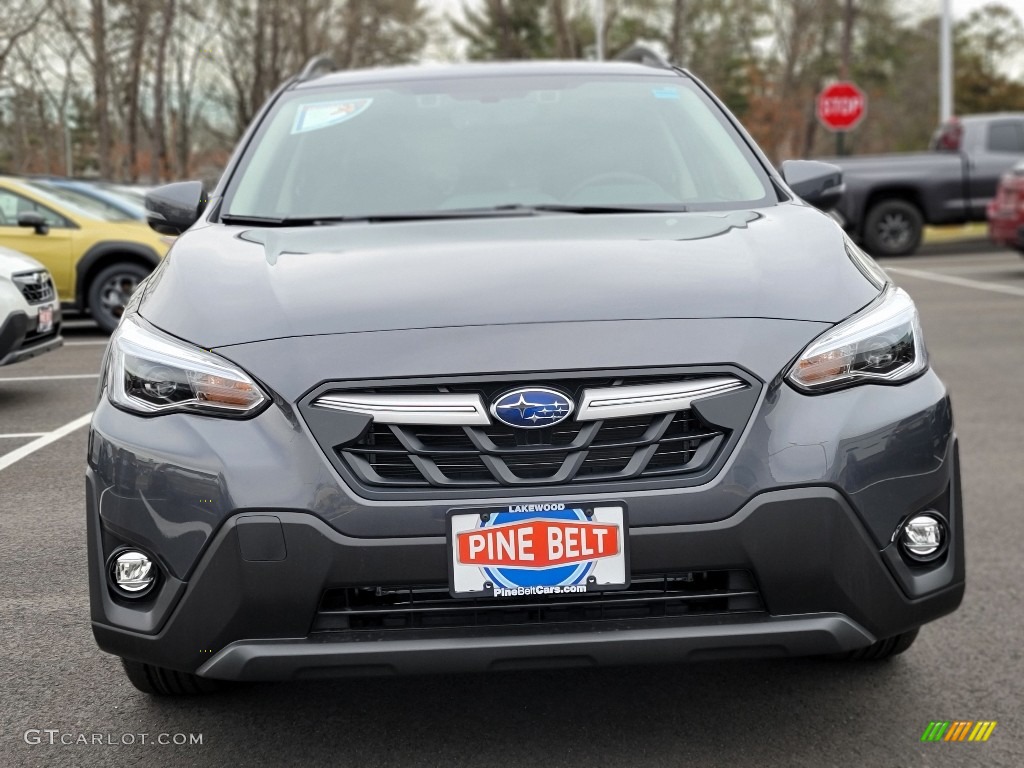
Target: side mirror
820, 184
173, 208
34, 220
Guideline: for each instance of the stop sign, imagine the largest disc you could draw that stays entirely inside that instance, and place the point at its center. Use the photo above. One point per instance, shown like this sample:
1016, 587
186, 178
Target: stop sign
841, 106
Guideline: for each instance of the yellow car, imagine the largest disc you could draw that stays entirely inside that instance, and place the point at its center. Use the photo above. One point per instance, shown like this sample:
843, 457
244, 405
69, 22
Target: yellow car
96, 254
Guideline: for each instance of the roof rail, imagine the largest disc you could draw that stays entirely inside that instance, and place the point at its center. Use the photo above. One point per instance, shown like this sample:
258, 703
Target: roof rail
316, 66
639, 53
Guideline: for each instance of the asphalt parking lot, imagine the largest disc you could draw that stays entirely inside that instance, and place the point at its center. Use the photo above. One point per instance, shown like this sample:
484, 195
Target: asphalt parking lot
968, 666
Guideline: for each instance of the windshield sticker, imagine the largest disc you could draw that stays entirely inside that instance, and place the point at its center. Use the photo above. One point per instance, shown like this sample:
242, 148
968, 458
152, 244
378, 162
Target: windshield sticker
665, 92
313, 117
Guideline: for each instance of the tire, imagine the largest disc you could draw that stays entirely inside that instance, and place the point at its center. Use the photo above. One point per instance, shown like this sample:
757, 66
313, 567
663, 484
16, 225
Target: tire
110, 290
157, 681
893, 228
881, 650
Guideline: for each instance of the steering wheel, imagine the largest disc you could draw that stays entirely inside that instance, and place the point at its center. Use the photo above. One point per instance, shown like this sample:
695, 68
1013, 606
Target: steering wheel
612, 177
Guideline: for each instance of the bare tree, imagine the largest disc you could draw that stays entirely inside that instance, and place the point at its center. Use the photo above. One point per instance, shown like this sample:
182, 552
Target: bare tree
138, 15
676, 46
192, 54
159, 164
20, 17
47, 60
257, 49
101, 86
565, 47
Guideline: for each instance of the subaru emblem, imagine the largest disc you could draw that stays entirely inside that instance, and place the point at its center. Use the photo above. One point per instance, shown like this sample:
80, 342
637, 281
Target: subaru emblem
532, 408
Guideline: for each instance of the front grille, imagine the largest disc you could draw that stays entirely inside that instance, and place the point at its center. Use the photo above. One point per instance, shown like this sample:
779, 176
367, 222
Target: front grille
496, 455
663, 596
36, 287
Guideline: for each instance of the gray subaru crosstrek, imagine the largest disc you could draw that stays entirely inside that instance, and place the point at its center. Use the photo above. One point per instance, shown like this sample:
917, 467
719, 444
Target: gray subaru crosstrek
500, 366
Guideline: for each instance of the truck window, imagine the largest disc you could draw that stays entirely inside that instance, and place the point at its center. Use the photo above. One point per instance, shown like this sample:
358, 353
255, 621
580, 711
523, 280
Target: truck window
1006, 136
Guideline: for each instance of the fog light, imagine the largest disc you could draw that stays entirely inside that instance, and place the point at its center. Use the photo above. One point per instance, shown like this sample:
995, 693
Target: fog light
132, 572
923, 537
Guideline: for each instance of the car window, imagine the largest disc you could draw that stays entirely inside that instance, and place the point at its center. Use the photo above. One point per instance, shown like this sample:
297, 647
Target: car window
82, 201
11, 204
1006, 136
482, 142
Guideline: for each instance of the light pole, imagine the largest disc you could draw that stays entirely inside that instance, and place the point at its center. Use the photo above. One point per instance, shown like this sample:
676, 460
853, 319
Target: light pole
945, 63
599, 28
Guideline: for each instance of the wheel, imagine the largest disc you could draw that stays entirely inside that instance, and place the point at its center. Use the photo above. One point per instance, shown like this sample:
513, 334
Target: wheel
158, 681
110, 290
893, 228
881, 650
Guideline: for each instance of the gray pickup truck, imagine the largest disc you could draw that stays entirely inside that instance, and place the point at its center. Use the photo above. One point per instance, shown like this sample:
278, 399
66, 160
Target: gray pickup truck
890, 198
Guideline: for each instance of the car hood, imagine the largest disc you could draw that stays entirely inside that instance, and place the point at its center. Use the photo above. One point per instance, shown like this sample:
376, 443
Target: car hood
224, 285
12, 262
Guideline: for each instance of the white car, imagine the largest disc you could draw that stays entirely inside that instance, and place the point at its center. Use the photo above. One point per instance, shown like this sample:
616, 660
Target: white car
29, 309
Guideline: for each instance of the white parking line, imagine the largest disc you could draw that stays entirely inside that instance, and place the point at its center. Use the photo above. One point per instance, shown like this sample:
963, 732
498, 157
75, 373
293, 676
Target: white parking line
102, 342
51, 378
22, 434
41, 442
963, 282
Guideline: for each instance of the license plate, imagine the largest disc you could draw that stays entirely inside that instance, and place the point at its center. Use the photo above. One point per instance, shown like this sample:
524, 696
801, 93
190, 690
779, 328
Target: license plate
523, 550
44, 321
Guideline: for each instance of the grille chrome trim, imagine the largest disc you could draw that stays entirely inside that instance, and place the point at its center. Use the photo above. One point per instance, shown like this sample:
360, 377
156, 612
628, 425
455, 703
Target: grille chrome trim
36, 287
651, 399
426, 409
377, 463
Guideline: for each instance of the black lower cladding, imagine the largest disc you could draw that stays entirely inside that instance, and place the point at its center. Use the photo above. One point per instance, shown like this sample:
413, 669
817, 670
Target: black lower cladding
496, 455
12, 332
35, 337
805, 549
697, 593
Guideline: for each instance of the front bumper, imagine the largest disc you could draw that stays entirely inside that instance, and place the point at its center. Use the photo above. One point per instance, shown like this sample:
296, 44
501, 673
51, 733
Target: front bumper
1006, 229
251, 526
19, 339
825, 586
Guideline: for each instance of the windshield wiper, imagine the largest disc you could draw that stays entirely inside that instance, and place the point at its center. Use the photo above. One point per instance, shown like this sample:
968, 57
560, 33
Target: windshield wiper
253, 221
312, 221
598, 209
512, 209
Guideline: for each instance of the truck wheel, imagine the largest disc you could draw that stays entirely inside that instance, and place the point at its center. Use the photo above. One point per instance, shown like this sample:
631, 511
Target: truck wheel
110, 290
893, 228
883, 649
158, 681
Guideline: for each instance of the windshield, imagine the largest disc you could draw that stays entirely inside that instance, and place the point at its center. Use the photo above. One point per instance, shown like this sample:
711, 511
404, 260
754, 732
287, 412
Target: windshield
81, 203
649, 142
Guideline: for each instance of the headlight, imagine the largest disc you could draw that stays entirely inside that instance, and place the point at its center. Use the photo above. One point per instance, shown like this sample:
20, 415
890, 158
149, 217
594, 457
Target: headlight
881, 344
150, 372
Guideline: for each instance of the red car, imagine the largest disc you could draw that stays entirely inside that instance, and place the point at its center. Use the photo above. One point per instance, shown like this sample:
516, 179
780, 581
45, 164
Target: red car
1006, 210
